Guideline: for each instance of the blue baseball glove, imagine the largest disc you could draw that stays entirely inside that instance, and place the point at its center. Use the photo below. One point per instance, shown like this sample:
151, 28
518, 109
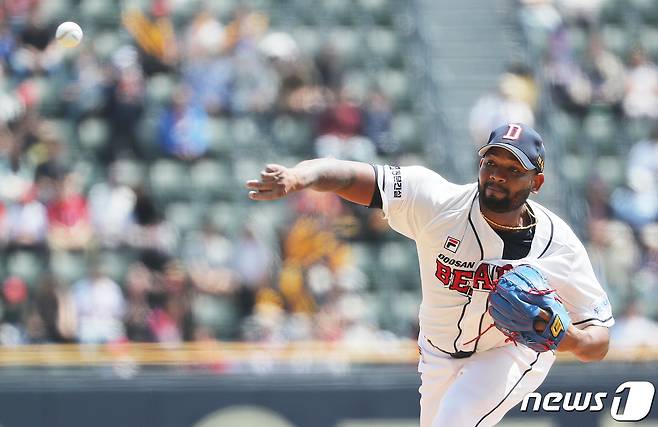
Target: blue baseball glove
526, 310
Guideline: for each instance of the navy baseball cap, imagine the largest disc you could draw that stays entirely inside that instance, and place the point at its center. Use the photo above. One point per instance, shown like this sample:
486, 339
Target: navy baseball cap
522, 141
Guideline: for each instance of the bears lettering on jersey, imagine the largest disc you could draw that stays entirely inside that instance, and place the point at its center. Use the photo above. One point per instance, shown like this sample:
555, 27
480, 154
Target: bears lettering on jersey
463, 277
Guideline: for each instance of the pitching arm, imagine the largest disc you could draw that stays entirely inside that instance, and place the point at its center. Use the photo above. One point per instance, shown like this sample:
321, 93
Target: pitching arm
589, 344
353, 181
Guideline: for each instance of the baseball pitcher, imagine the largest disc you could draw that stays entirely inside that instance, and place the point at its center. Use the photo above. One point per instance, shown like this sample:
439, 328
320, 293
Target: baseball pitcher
505, 282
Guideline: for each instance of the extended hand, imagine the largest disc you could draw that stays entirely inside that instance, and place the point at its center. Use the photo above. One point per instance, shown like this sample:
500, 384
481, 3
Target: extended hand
275, 182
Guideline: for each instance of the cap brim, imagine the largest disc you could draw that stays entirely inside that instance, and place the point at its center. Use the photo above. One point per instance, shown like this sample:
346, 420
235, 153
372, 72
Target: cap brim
520, 155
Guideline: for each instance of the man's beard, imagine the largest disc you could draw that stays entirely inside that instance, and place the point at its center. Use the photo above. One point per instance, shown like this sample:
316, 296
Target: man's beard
506, 204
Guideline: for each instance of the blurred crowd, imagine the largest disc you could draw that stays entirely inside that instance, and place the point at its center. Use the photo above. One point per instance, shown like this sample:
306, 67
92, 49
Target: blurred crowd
90, 251
122, 212
598, 70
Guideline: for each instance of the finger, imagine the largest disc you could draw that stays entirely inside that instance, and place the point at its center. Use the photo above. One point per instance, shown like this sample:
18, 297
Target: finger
264, 195
273, 168
260, 185
268, 176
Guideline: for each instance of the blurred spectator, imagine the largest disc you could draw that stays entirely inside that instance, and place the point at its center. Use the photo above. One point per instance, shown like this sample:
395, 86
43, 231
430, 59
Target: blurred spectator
171, 320
16, 172
27, 223
125, 104
68, 216
614, 257
35, 54
641, 95
149, 230
99, 305
340, 130
55, 309
110, 208
48, 152
154, 35
633, 329
207, 255
139, 288
184, 127
508, 104
253, 262
605, 73
378, 119
584, 11
637, 203
14, 311
207, 73
568, 83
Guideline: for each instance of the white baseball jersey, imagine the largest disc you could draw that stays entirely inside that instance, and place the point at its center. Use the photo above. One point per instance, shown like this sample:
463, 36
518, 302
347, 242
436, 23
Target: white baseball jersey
460, 255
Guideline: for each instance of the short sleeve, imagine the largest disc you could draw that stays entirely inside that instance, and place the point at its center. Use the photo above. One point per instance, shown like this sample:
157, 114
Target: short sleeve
570, 272
411, 196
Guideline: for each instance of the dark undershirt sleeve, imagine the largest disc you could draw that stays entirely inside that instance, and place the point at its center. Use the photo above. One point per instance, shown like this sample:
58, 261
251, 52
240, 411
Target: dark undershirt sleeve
376, 201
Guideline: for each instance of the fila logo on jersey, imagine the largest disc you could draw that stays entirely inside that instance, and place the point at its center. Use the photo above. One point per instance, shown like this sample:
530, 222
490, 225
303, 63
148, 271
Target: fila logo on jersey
397, 181
513, 132
451, 244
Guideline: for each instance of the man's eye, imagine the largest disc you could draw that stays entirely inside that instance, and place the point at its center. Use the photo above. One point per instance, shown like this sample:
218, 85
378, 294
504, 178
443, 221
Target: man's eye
490, 163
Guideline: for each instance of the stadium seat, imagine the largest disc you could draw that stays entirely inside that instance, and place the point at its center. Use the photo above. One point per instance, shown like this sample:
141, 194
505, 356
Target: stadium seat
381, 11
611, 169
27, 265
616, 39
647, 10
577, 40
211, 179
130, 172
168, 179
245, 133
115, 263
100, 13
405, 130
227, 217
309, 39
68, 267
348, 43
649, 41
160, 88
398, 259
293, 135
566, 127
613, 11
600, 128
575, 168
394, 84
338, 11
185, 216
219, 136
637, 129
383, 45
93, 134
217, 313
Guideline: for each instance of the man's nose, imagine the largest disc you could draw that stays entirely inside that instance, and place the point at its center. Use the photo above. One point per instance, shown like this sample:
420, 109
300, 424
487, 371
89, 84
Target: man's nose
498, 175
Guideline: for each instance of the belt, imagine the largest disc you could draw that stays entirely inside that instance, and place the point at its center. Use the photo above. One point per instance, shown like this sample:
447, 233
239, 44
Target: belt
456, 355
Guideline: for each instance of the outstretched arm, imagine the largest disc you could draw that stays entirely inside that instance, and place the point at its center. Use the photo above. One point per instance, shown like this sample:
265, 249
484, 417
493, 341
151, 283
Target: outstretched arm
353, 181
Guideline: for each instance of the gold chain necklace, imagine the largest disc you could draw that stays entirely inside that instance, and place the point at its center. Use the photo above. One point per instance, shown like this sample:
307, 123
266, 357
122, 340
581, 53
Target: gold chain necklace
533, 222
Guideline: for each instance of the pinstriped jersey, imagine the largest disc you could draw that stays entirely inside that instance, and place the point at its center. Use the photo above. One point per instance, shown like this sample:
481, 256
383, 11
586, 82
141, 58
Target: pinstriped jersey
460, 256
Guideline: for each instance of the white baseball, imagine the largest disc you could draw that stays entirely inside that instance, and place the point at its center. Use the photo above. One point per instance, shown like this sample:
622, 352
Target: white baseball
69, 34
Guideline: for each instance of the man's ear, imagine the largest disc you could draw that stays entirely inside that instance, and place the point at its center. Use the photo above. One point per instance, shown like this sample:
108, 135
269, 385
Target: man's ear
481, 161
537, 182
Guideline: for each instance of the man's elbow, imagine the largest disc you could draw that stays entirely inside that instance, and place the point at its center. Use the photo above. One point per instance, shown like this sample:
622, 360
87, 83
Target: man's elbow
595, 355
